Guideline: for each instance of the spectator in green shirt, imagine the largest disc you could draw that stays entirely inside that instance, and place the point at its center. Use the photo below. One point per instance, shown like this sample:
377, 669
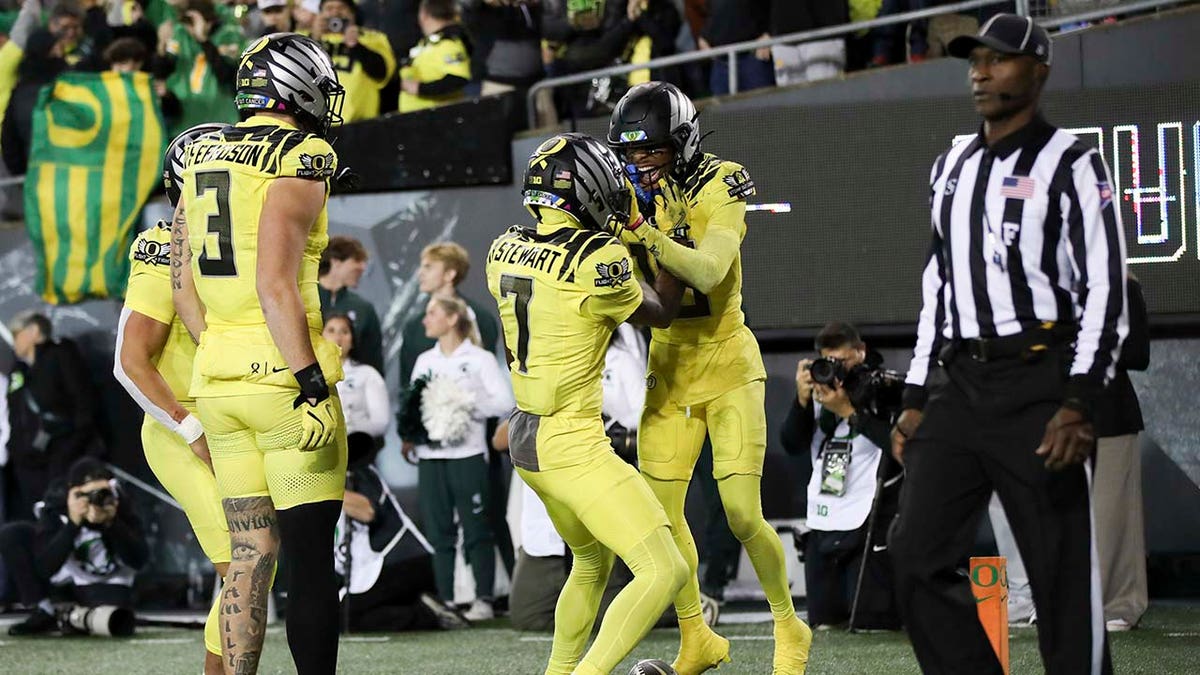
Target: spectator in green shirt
342, 265
443, 267
198, 58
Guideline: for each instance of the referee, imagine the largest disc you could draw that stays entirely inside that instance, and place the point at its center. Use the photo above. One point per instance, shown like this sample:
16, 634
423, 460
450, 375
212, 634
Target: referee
1023, 314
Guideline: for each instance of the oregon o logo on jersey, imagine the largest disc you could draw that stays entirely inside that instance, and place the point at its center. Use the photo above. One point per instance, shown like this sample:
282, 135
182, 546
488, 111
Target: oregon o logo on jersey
613, 274
153, 252
315, 166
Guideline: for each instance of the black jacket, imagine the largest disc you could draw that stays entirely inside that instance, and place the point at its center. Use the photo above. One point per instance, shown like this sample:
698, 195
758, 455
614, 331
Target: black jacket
508, 42
793, 16
54, 538
37, 69
54, 395
1116, 411
587, 50
731, 21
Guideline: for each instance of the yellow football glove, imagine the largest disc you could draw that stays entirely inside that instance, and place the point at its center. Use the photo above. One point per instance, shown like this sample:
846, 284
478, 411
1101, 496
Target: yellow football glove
318, 416
318, 424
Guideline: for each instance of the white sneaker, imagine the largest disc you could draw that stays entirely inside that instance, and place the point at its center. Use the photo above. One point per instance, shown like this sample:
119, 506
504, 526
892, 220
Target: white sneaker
448, 617
1117, 625
710, 609
480, 610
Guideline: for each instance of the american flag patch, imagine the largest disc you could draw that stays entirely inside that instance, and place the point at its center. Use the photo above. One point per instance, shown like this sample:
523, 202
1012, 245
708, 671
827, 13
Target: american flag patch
1017, 187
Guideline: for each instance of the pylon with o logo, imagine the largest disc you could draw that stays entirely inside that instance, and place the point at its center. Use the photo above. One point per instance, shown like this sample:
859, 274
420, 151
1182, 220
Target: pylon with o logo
989, 582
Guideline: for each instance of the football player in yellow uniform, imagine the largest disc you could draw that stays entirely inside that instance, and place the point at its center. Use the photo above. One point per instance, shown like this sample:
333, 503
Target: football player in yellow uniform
705, 373
562, 288
154, 363
245, 249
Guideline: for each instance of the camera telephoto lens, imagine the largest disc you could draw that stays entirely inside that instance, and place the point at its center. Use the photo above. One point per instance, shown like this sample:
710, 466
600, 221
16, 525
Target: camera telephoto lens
826, 371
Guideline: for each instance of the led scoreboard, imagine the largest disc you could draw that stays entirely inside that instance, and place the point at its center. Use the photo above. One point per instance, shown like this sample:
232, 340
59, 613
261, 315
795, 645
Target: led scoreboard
839, 228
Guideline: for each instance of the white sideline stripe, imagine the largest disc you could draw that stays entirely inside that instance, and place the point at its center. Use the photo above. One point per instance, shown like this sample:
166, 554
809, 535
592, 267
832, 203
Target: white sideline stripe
751, 637
734, 618
1171, 635
536, 638
161, 641
366, 638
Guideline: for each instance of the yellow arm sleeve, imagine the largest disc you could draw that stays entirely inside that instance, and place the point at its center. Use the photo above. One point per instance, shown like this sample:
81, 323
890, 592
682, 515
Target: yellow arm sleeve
705, 266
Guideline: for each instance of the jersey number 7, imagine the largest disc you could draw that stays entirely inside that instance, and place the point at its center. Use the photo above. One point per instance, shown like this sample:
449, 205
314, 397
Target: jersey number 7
218, 225
522, 287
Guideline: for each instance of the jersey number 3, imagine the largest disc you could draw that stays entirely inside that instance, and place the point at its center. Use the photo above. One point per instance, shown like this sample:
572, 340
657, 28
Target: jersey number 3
219, 225
522, 287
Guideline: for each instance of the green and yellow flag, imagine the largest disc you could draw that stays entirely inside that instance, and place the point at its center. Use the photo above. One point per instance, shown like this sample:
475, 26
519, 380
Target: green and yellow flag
98, 141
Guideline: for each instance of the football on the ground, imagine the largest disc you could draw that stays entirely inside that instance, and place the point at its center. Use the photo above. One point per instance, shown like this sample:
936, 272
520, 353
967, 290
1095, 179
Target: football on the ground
651, 667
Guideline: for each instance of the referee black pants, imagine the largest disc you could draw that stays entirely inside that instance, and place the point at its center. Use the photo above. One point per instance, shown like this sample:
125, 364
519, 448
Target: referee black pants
981, 426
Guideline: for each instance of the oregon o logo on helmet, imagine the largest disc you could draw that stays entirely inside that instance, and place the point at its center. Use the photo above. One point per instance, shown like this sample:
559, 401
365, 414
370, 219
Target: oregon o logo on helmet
253, 48
549, 147
986, 576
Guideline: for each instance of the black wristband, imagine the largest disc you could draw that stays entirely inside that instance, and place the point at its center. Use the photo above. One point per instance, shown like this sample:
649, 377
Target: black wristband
312, 383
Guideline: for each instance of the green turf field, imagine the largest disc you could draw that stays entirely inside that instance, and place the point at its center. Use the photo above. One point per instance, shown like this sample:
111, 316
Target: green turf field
1168, 643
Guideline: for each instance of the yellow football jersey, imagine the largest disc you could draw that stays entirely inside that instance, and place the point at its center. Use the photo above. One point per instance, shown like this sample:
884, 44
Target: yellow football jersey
149, 294
225, 180
714, 198
561, 291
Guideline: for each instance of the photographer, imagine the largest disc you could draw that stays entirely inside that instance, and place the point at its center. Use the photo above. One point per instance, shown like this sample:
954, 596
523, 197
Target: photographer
842, 417
87, 538
52, 410
385, 562
198, 58
362, 57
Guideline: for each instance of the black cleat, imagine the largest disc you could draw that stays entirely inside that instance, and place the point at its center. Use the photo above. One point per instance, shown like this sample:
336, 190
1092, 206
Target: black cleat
38, 623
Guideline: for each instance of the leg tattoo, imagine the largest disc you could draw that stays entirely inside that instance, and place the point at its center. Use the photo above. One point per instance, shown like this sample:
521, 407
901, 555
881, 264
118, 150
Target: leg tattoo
254, 538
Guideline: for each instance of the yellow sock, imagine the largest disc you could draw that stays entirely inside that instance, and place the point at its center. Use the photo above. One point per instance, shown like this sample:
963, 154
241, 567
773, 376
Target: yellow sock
577, 605
658, 573
743, 505
672, 494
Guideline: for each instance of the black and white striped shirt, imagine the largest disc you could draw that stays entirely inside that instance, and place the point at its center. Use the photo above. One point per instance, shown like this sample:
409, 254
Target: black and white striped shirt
1024, 232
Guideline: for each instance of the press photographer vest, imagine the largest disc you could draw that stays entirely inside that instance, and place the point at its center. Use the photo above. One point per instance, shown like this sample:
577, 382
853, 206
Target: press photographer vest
827, 512
91, 563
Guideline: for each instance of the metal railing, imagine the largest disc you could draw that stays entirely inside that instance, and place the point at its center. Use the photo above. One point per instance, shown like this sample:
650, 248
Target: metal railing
1103, 11
730, 52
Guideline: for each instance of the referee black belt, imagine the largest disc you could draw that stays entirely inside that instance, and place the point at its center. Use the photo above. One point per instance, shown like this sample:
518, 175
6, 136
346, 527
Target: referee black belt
1028, 344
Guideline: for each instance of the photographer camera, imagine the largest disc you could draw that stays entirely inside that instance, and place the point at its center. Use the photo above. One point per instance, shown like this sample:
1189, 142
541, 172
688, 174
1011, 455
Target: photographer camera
841, 418
87, 540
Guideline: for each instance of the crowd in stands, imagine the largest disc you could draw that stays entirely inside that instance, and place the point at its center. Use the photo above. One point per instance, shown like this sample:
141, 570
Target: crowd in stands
408, 55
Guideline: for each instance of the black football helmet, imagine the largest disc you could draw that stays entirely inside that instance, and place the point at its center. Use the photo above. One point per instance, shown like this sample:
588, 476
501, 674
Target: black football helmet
172, 171
657, 114
290, 73
574, 173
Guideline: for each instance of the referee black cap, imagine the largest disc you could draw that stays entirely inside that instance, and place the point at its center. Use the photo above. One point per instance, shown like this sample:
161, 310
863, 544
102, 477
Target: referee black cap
1007, 33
